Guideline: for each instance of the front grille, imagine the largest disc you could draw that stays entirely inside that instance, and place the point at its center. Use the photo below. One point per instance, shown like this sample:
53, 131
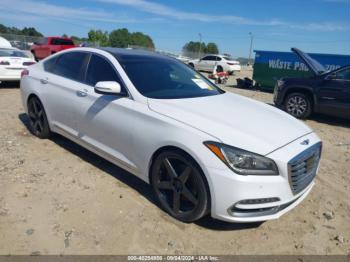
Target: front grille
302, 168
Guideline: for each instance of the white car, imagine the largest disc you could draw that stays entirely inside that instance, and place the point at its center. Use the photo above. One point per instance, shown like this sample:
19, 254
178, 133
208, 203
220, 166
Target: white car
12, 63
223, 63
202, 149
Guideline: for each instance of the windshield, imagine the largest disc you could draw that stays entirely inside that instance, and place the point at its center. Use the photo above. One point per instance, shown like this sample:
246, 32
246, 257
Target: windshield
161, 78
13, 53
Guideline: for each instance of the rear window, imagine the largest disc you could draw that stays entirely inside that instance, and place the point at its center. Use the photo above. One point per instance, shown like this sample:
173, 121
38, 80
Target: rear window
13, 53
60, 41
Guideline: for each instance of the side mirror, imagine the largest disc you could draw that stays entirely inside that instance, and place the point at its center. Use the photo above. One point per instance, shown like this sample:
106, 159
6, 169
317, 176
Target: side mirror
107, 87
331, 76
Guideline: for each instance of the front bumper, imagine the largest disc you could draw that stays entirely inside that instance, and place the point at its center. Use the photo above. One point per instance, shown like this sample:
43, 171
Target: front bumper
230, 191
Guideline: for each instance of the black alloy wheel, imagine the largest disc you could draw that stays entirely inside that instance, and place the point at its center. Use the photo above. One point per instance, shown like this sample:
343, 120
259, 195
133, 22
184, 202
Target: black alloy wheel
39, 125
298, 105
179, 186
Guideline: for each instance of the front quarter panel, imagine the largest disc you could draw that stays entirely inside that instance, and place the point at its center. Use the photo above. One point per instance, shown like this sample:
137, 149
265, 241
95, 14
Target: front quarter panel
154, 131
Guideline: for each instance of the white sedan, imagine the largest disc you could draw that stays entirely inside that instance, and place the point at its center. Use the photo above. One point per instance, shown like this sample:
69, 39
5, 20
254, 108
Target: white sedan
12, 63
220, 62
203, 150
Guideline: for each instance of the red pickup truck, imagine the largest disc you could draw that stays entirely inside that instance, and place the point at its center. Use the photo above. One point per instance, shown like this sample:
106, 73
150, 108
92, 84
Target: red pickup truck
50, 45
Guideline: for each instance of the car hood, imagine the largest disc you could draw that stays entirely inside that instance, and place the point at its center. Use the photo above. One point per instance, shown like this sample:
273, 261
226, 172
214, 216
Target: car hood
315, 67
235, 120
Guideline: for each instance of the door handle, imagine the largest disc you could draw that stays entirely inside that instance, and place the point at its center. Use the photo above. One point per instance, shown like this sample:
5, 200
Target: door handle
44, 81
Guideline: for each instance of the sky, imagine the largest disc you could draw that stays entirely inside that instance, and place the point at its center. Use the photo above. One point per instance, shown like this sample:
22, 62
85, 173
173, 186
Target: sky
316, 26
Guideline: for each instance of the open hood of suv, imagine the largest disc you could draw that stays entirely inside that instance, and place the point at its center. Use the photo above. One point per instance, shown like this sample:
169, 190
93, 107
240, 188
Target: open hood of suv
311, 63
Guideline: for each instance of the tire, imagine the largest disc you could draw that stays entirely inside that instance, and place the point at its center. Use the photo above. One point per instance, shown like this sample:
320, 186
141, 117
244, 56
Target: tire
298, 105
191, 65
38, 123
179, 186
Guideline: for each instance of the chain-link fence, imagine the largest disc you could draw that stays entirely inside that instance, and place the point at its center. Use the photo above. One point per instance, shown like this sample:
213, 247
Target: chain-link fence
21, 41
25, 42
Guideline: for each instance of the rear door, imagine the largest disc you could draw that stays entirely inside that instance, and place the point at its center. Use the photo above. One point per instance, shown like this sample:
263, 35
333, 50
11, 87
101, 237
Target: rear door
62, 83
334, 94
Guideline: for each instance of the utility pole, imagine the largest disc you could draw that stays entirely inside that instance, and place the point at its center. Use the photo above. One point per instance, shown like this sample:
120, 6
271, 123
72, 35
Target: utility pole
251, 46
200, 45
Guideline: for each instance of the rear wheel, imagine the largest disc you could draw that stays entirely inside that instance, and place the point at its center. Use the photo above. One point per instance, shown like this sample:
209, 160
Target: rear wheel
298, 105
38, 123
191, 65
179, 186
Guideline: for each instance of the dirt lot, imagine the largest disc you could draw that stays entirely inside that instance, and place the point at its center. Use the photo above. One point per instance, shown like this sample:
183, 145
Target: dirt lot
58, 198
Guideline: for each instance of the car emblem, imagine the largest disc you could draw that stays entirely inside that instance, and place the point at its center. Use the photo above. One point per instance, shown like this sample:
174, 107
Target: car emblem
305, 142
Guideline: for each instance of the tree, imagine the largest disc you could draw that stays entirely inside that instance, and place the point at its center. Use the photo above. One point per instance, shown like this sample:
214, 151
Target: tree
123, 38
140, 39
119, 38
3, 29
27, 31
195, 49
78, 40
212, 48
31, 31
99, 37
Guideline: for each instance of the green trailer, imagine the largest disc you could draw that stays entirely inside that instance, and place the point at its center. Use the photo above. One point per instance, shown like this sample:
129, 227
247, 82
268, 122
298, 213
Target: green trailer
270, 66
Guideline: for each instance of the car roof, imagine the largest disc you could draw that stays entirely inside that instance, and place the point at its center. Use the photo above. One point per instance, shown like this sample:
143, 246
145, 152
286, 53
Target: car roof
133, 54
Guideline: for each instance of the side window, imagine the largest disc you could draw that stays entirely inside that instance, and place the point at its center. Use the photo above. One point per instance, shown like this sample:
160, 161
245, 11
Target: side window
71, 65
100, 69
212, 58
61, 41
344, 74
218, 58
49, 64
206, 58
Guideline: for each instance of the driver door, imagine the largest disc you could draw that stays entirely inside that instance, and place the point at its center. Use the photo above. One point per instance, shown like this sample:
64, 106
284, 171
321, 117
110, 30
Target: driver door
105, 121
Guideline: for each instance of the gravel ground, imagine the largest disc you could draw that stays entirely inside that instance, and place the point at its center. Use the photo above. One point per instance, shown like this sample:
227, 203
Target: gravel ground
58, 198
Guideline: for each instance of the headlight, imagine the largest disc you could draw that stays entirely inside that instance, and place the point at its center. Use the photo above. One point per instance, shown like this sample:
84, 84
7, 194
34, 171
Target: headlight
243, 162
